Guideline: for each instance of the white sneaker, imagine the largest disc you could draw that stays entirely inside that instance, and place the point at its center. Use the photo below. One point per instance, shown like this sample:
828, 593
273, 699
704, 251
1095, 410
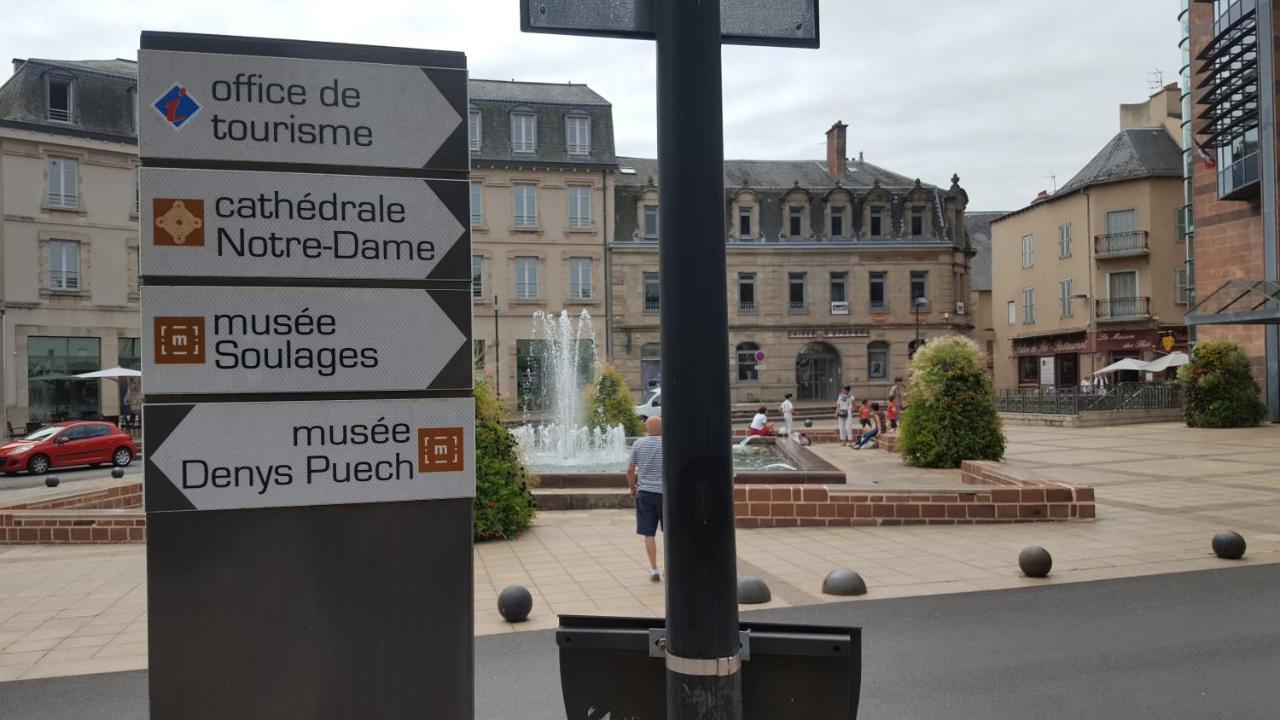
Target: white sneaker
655, 576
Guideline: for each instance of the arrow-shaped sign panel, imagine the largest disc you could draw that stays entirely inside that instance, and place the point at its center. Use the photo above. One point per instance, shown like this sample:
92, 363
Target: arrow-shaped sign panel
223, 456
221, 223
247, 108
199, 340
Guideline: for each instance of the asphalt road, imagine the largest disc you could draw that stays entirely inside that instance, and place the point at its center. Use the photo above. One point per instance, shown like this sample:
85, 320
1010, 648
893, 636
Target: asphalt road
1197, 645
66, 476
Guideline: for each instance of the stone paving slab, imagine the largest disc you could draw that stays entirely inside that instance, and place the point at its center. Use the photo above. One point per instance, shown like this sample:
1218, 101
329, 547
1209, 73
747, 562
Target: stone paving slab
82, 608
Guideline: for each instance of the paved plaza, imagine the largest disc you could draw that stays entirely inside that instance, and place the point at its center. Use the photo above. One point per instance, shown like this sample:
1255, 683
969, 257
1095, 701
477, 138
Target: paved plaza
1162, 491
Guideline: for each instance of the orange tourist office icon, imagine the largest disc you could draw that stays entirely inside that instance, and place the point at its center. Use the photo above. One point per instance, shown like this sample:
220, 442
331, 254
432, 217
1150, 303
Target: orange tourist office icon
178, 222
439, 449
179, 340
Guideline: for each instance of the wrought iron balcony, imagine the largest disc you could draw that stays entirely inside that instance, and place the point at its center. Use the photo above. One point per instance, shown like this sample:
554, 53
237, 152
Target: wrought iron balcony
746, 306
879, 306
651, 306
798, 307
1121, 244
1123, 309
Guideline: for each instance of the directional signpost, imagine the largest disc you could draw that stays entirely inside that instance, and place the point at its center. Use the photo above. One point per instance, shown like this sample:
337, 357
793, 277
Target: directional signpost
308, 425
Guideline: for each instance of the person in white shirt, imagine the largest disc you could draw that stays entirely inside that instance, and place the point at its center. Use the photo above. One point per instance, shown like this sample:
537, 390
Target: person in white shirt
787, 413
844, 416
759, 423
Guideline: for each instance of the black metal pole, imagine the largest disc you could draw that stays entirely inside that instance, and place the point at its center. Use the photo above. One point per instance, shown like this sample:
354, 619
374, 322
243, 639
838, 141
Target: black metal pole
703, 677
497, 352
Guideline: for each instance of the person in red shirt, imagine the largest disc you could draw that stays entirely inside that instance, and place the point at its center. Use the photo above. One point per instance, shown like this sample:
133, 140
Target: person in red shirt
892, 411
864, 414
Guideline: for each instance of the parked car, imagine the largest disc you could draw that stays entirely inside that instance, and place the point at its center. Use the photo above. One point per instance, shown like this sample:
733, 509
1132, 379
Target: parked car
652, 406
68, 443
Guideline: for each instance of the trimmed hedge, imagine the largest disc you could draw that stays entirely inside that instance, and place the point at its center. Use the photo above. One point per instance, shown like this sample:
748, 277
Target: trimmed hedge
611, 404
1218, 388
503, 505
951, 413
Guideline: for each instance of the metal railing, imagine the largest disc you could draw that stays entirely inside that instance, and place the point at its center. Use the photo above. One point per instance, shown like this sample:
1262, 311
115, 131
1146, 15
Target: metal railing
797, 307
1071, 401
1134, 241
1123, 308
878, 305
651, 305
746, 306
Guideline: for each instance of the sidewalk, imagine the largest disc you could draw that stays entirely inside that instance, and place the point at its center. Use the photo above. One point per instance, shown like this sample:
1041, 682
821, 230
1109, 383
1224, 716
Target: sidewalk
1162, 491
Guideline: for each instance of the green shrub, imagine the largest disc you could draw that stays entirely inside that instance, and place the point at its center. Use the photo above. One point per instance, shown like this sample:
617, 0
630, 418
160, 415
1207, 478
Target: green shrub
1218, 388
610, 404
951, 413
503, 505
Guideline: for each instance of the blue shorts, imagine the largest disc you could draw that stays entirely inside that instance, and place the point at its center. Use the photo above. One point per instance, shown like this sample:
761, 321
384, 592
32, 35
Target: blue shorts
648, 513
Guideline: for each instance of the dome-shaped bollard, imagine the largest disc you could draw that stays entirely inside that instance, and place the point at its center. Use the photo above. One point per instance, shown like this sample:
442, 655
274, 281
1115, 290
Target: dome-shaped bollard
52, 481
808, 423
1035, 561
844, 582
117, 473
1229, 545
752, 590
514, 603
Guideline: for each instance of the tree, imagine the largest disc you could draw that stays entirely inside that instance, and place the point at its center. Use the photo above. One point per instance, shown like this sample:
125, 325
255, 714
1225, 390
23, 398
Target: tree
1218, 388
951, 414
503, 505
611, 404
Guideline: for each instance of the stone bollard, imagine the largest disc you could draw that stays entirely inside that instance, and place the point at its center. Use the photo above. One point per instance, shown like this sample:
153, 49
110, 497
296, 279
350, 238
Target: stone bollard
752, 590
514, 603
844, 582
1035, 561
1229, 545
52, 481
117, 473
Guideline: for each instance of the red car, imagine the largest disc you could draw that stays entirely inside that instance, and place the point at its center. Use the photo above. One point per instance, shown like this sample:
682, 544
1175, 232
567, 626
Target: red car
64, 444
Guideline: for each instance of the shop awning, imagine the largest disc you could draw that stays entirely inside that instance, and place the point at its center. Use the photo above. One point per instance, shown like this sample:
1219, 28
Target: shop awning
1239, 302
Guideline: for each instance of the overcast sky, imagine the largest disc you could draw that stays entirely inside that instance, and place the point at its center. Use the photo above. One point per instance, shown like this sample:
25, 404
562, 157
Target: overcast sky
1003, 92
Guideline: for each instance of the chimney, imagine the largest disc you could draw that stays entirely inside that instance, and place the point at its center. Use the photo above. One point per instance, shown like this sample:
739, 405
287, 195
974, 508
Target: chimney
837, 158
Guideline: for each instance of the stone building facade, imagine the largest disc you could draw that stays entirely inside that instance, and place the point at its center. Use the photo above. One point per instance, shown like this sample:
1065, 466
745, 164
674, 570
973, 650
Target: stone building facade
69, 239
542, 189
1095, 272
825, 262
1232, 221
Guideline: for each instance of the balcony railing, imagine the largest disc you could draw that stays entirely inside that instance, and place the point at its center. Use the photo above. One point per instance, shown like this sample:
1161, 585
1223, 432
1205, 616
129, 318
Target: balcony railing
1121, 244
797, 307
1116, 309
878, 306
651, 306
746, 306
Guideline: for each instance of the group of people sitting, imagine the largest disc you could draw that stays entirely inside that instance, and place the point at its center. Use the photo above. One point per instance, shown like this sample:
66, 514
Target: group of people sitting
874, 419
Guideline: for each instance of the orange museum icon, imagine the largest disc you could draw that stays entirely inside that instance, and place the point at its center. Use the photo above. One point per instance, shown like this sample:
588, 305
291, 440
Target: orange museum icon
179, 340
440, 449
178, 222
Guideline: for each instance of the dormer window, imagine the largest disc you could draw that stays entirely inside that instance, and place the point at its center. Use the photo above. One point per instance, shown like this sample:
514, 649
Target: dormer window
795, 221
837, 222
524, 132
877, 221
61, 99
744, 223
578, 134
473, 130
917, 221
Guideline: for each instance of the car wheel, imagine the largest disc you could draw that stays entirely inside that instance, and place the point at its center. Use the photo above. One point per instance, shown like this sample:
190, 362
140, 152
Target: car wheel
38, 465
121, 457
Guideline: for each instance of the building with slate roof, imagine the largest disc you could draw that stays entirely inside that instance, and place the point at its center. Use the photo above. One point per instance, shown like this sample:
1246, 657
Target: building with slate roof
69, 239
835, 267
542, 184
1095, 272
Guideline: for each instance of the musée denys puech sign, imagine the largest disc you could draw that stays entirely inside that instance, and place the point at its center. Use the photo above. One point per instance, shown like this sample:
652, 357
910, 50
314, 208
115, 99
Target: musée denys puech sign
221, 456
287, 110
